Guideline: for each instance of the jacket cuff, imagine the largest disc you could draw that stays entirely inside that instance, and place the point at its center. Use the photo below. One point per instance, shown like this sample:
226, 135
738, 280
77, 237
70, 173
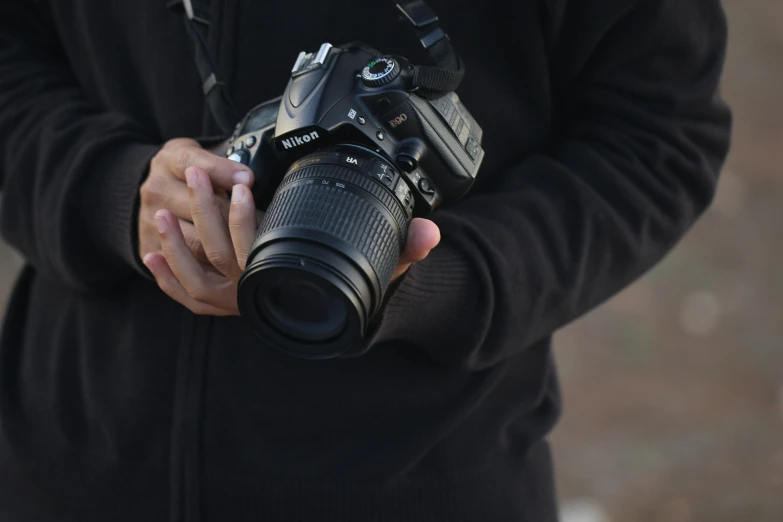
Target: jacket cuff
112, 202
433, 306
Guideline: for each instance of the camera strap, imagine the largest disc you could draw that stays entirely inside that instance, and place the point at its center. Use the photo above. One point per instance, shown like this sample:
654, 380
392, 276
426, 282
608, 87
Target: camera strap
429, 81
215, 92
446, 75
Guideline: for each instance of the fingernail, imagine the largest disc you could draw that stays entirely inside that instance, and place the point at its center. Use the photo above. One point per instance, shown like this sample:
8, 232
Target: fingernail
191, 177
241, 178
237, 194
161, 222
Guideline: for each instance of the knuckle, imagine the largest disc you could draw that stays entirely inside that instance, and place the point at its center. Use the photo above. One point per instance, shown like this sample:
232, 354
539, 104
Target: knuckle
185, 157
208, 163
242, 259
235, 224
150, 190
178, 143
157, 160
220, 258
175, 153
241, 217
197, 208
199, 291
194, 244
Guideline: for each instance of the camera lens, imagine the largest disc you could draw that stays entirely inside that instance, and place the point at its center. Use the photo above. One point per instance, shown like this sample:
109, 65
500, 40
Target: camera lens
325, 253
324, 316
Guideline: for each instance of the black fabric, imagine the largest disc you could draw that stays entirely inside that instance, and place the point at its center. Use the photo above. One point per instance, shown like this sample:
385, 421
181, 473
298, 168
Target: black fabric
603, 145
197, 23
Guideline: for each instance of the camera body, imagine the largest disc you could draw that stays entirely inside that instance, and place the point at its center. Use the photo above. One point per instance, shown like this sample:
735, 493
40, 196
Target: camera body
353, 154
354, 95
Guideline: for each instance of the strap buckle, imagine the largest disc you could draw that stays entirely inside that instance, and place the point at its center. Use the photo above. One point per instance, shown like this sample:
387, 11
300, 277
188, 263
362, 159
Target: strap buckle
424, 19
195, 11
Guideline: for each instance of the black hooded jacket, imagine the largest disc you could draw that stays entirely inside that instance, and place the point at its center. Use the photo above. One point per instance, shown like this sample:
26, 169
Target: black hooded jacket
604, 135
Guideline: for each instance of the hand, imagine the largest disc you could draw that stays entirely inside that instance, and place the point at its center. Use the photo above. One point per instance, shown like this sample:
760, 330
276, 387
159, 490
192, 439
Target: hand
212, 289
202, 291
165, 188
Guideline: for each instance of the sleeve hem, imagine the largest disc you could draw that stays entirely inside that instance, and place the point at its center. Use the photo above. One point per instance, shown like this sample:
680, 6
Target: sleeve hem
113, 200
434, 304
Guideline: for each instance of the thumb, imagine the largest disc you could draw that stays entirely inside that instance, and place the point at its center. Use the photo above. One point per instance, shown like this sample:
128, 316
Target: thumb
423, 236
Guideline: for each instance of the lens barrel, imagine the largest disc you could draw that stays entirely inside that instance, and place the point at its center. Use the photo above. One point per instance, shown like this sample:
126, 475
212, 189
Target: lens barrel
325, 253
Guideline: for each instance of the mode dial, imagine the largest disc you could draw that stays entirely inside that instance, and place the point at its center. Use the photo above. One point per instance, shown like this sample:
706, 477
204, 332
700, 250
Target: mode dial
380, 71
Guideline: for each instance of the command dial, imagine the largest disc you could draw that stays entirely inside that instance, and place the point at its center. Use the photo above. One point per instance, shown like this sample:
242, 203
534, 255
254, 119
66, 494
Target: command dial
380, 71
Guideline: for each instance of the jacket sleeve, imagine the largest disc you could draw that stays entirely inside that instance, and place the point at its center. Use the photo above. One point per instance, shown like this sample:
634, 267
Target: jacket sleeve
633, 166
70, 169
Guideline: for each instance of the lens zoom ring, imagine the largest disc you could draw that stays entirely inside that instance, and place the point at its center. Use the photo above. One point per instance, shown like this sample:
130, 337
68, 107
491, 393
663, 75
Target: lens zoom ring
342, 214
351, 176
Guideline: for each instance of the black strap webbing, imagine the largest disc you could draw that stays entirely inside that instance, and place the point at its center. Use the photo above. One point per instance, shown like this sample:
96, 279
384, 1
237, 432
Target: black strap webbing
429, 81
215, 92
449, 70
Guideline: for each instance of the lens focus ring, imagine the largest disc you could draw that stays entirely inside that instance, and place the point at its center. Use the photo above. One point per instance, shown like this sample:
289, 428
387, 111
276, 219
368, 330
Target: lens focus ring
368, 184
365, 216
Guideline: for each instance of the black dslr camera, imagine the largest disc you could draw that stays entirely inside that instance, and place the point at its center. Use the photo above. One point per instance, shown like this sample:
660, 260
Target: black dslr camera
358, 145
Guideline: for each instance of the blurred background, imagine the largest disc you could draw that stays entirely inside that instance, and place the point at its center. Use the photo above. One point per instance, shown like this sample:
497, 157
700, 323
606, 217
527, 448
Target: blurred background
673, 390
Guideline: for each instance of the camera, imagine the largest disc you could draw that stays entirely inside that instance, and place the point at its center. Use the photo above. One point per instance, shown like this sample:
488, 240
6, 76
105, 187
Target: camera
344, 160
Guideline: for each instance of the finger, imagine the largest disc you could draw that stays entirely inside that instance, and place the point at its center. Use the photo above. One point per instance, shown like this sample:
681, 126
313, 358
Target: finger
423, 236
222, 172
211, 226
242, 223
172, 194
193, 242
171, 286
200, 284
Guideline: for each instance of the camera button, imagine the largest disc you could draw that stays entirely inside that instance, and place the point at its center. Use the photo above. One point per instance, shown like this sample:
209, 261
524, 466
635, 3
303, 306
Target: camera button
473, 148
407, 163
426, 187
240, 156
250, 141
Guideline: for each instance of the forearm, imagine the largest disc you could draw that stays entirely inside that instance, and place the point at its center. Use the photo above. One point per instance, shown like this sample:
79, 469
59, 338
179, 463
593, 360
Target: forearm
70, 169
633, 168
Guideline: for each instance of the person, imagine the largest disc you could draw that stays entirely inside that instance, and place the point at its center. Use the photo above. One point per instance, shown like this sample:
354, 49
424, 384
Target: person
131, 390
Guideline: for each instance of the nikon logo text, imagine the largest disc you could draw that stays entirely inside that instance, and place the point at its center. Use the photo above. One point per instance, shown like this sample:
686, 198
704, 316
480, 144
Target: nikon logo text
290, 143
399, 120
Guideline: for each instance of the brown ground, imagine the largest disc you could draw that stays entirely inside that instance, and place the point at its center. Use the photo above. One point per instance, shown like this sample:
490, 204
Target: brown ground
674, 389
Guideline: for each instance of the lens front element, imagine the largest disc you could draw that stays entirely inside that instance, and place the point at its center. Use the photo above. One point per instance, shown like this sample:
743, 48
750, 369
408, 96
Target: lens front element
303, 307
